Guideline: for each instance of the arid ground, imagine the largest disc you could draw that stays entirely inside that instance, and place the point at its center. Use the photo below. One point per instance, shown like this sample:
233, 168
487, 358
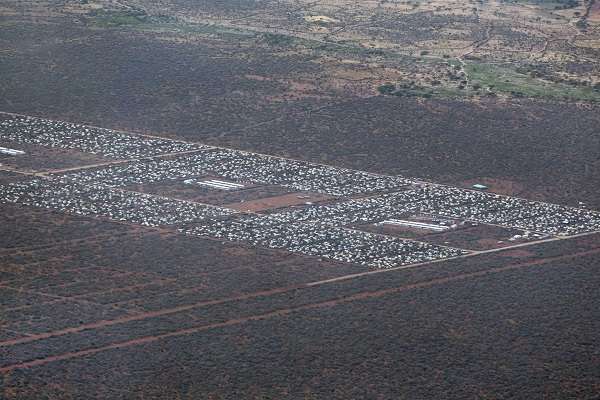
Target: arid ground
504, 93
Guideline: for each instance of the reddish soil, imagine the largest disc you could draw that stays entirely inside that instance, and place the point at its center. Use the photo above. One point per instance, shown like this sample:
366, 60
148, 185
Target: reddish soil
595, 12
500, 186
487, 243
269, 203
197, 193
480, 237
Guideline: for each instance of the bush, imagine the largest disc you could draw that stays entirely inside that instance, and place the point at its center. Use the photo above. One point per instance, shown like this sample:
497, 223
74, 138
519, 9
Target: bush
387, 88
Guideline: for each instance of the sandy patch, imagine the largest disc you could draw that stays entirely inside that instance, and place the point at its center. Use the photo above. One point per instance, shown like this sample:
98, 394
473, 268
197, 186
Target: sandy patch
320, 19
269, 203
500, 186
594, 12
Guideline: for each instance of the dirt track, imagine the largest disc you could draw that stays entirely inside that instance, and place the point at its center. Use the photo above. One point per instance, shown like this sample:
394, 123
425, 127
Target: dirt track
277, 313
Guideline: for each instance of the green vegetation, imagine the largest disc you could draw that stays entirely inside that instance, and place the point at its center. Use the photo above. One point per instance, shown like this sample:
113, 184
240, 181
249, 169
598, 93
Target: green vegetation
490, 80
405, 89
505, 79
387, 88
139, 20
553, 4
483, 78
275, 39
201, 29
112, 18
127, 18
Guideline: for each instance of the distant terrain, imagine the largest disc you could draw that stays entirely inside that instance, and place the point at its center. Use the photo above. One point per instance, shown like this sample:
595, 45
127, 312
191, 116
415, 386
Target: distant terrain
504, 92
